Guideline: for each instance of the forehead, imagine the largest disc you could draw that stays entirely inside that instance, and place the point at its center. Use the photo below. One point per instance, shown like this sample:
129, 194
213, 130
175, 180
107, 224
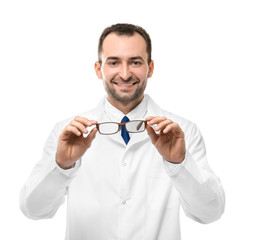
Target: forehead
124, 46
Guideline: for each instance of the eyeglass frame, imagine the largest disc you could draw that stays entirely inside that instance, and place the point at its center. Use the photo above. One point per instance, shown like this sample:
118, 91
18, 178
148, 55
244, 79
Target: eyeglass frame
122, 124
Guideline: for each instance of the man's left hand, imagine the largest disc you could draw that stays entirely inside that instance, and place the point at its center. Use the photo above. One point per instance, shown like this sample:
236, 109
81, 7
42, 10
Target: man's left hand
169, 139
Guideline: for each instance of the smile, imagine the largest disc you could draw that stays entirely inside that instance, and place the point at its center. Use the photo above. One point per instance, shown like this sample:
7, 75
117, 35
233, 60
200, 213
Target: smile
125, 84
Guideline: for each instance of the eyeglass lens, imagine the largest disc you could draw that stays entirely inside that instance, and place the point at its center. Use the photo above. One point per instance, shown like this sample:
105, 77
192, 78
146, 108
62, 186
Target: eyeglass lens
112, 128
135, 126
108, 128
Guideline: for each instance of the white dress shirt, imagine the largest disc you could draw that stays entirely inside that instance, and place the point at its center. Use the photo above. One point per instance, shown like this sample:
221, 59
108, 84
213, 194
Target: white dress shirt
125, 192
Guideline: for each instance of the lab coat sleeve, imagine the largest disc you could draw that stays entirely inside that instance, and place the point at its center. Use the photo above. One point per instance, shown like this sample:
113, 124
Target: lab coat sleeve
45, 190
200, 191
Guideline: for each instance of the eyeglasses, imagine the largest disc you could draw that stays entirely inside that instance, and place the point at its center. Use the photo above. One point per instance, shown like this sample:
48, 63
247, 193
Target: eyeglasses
108, 128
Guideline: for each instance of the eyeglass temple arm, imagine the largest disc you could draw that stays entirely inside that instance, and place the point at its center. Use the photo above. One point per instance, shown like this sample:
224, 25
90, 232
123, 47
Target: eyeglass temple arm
139, 125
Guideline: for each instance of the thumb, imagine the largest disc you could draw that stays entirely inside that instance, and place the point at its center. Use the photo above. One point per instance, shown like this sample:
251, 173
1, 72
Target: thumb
153, 136
90, 137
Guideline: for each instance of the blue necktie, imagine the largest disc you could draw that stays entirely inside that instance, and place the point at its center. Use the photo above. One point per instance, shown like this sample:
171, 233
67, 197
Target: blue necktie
124, 133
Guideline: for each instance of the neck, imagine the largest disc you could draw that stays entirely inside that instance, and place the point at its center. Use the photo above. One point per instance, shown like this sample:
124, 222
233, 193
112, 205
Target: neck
125, 107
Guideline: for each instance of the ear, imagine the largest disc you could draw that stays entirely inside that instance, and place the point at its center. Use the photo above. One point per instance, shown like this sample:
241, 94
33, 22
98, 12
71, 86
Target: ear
151, 69
98, 70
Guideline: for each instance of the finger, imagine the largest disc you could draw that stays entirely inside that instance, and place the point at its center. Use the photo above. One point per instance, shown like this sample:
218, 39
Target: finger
153, 136
91, 137
86, 122
71, 130
162, 125
175, 129
149, 118
78, 126
157, 120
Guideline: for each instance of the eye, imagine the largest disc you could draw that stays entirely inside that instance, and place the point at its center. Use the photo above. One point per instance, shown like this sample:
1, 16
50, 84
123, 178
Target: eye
112, 63
136, 63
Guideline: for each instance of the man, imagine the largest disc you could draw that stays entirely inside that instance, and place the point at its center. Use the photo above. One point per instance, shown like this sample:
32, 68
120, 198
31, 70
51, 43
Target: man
127, 165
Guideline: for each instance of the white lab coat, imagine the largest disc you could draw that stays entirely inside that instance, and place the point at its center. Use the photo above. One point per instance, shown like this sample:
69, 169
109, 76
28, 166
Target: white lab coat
125, 192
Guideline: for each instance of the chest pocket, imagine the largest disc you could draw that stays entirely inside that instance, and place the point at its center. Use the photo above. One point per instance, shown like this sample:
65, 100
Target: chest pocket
160, 191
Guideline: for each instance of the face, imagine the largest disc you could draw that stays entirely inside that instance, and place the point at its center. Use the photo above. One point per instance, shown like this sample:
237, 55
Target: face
124, 68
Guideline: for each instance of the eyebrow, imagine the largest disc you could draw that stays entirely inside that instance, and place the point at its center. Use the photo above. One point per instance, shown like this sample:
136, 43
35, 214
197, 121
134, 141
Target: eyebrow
132, 58
112, 58
137, 58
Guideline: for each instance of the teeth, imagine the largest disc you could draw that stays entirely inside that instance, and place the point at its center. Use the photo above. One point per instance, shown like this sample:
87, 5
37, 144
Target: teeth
125, 84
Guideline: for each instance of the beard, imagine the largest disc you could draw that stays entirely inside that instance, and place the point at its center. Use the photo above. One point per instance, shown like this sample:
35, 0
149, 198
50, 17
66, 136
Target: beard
123, 97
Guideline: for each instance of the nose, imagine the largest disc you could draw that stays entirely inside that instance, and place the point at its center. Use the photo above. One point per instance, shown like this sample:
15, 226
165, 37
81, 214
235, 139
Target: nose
125, 73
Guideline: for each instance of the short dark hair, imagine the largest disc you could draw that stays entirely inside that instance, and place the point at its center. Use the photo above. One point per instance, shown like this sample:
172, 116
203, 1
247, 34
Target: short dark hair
125, 29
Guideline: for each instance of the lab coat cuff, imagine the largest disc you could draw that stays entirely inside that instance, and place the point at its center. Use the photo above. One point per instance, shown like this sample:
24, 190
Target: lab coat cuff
71, 172
172, 168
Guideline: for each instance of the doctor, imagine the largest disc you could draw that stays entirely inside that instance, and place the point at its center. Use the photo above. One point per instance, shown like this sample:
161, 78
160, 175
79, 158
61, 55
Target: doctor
127, 165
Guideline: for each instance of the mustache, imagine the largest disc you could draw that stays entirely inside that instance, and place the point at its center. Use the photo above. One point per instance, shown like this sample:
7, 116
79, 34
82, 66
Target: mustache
122, 80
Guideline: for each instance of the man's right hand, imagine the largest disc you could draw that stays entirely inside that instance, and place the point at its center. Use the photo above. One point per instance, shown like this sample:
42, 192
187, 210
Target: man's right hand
72, 144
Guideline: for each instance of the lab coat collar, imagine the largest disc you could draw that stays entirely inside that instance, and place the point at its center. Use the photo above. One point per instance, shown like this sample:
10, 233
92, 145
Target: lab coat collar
115, 115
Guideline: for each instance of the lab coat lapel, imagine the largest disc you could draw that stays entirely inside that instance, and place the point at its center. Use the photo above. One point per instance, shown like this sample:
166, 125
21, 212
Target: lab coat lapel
101, 116
152, 110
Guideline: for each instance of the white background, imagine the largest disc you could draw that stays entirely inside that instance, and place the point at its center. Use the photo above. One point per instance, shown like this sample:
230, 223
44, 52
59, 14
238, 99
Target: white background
203, 53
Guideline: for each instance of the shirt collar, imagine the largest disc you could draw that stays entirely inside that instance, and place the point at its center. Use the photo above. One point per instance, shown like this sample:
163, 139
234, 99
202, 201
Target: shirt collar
138, 113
